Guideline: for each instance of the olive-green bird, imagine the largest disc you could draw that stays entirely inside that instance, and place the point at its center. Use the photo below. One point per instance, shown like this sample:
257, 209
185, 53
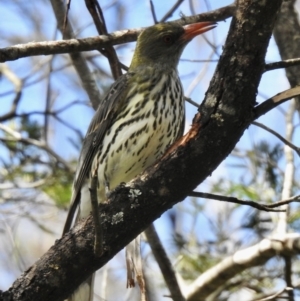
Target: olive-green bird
141, 115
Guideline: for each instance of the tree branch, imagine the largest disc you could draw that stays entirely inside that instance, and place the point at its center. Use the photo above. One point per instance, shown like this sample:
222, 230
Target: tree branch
275, 101
295, 198
171, 11
87, 79
273, 296
263, 207
286, 34
286, 142
153, 12
282, 64
164, 263
96, 12
17, 137
118, 37
255, 255
288, 273
18, 85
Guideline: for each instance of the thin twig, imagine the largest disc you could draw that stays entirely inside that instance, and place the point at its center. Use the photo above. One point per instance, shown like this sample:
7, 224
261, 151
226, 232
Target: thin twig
171, 11
124, 67
219, 14
153, 12
291, 145
263, 207
282, 64
33, 73
192, 8
288, 274
275, 101
18, 138
108, 51
189, 100
18, 84
54, 114
79, 62
30, 185
198, 78
66, 15
273, 296
164, 263
48, 101
69, 125
295, 198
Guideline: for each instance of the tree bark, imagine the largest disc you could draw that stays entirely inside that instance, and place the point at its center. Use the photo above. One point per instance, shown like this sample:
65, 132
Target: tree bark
287, 36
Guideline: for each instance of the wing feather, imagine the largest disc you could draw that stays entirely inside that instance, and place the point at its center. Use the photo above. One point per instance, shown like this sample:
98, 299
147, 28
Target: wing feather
102, 120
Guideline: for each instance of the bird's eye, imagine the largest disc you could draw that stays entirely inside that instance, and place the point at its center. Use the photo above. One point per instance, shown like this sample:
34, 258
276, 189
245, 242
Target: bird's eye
167, 39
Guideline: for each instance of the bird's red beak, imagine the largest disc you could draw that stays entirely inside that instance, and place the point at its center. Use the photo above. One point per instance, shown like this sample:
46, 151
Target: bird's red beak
192, 30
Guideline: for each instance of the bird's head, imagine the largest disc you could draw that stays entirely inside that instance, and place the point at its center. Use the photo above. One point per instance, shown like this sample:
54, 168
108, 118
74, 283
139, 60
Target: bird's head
162, 44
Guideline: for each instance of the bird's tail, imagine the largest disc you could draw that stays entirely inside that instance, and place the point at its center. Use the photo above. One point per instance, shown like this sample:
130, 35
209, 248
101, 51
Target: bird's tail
134, 266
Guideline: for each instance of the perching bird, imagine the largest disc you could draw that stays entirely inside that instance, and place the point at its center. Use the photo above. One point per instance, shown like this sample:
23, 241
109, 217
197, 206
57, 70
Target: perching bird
141, 115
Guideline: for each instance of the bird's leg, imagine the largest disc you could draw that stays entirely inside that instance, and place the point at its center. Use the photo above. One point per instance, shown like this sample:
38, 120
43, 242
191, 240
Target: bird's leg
98, 244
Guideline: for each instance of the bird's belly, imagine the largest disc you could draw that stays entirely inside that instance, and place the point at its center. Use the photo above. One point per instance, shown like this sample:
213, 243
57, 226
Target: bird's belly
147, 125
135, 144
140, 154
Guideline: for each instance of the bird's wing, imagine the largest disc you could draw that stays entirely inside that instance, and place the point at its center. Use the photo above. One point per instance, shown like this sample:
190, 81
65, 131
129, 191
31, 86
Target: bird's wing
102, 120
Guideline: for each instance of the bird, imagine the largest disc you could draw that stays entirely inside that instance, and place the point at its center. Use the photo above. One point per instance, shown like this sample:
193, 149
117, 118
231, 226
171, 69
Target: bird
139, 118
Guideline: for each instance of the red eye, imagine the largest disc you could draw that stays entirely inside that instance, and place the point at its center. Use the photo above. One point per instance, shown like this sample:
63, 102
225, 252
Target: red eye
167, 39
